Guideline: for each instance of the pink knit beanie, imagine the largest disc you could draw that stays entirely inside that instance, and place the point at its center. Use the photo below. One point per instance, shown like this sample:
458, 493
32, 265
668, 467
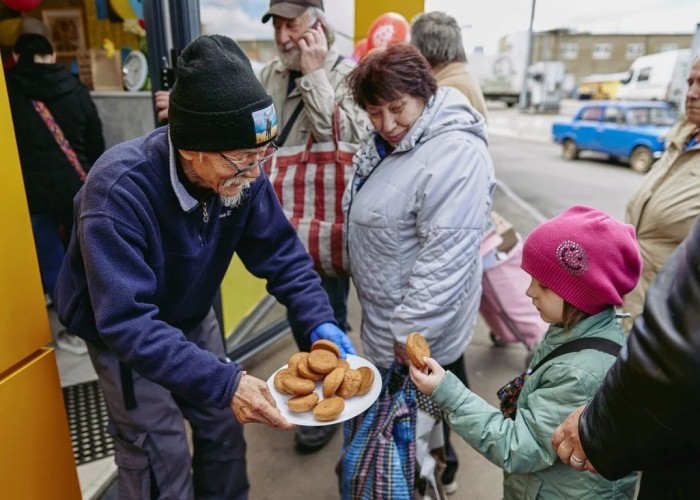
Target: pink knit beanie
585, 256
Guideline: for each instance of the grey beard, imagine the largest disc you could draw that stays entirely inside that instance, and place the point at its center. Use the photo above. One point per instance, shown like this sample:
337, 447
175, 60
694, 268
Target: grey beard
291, 61
236, 199
232, 201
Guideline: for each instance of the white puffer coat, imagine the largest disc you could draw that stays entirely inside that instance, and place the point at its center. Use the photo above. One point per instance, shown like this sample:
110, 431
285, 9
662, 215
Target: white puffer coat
414, 231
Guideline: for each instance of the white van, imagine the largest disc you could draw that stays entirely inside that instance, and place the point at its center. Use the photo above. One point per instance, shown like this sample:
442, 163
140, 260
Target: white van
657, 77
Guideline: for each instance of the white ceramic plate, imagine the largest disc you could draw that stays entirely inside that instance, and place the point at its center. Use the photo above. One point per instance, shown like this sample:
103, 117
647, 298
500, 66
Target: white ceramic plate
353, 406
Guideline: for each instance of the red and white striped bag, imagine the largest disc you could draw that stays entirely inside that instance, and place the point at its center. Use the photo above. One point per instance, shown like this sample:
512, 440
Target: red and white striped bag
309, 181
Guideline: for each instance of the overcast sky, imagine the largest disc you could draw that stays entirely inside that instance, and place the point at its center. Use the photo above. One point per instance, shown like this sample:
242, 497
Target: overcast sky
489, 20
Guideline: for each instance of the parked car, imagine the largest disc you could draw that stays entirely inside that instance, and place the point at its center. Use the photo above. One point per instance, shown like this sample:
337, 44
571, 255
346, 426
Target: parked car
633, 131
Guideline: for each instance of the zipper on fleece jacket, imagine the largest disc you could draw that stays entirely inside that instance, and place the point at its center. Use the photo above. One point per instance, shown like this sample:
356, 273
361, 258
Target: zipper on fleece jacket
205, 220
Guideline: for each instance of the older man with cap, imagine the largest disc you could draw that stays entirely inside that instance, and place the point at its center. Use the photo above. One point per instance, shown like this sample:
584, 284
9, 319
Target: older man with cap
306, 81
156, 226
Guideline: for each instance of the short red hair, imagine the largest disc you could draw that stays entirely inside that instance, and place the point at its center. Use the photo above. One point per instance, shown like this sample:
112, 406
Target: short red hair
385, 75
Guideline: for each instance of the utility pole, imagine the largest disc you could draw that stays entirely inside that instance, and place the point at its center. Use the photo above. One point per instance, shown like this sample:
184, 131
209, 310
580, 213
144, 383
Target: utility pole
524, 100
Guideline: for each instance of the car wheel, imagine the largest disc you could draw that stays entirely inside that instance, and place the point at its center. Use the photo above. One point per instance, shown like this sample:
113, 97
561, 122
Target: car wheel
641, 159
569, 150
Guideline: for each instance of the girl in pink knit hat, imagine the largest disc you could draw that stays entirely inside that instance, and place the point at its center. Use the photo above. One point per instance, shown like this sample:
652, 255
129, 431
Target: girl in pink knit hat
582, 263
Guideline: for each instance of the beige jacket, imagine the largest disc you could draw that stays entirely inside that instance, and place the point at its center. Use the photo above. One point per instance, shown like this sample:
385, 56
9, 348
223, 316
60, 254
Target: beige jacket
319, 90
457, 75
663, 209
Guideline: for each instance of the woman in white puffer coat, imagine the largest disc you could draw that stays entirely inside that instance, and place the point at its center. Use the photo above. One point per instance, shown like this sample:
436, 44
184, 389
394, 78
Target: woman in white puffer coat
415, 212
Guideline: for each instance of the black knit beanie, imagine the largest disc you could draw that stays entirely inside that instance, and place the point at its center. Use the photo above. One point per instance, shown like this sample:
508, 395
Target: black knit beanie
217, 103
30, 44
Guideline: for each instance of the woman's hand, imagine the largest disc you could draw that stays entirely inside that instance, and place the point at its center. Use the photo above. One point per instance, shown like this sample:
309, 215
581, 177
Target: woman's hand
429, 377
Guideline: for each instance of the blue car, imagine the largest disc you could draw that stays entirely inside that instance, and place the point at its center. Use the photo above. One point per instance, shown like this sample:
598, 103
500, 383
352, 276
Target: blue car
633, 131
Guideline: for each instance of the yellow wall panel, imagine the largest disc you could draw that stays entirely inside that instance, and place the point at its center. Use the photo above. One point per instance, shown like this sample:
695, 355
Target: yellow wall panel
240, 293
367, 11
24, 325
36, 459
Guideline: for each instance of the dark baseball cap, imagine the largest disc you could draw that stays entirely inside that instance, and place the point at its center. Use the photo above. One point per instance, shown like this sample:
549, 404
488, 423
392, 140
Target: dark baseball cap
289, 9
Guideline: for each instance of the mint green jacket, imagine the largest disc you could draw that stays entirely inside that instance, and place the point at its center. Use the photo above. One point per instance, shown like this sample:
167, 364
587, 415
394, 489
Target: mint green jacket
522, 447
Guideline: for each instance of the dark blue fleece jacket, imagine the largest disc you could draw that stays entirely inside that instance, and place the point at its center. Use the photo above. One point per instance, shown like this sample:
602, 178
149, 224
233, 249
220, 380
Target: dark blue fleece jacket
140, 267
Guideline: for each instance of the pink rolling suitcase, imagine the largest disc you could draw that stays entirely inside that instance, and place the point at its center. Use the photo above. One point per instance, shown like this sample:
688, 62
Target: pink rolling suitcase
508, 312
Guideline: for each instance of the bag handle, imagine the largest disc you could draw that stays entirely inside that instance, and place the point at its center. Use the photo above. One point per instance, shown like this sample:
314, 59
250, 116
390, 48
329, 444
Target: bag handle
60, 138
597, 343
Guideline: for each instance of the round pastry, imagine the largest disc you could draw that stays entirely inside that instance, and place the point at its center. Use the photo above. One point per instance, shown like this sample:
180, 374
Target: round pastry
367, 380
304, 371
333, 381
295, 359
343, 363
327, 345
302, 403
350, 384
417, 348
329, 409
322, 361
298, 386
279, 378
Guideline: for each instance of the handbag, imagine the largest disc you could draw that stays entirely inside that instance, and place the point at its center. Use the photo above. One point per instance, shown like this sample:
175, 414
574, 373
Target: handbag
60, 138
378, 459
508, 394
309, 181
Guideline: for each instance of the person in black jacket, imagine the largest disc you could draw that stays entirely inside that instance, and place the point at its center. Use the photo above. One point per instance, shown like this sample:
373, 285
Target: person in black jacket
36, 84
642, 416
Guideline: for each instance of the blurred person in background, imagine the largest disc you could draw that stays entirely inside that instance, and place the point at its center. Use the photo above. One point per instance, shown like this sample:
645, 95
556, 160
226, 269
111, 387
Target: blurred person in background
666, 204
439, 38
59, 137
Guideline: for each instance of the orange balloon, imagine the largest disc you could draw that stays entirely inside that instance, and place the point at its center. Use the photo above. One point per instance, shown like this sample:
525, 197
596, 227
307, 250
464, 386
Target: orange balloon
388, 29
360, 50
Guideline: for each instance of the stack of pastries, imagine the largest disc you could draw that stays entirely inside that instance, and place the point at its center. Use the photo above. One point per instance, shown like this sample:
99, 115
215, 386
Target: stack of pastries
339, 381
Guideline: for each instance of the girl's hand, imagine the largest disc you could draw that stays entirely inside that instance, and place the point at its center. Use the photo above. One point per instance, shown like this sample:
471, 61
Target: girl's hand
427, 379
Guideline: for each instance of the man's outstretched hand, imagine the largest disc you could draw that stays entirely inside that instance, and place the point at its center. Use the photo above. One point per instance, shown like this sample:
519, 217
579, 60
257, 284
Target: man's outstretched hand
252, 402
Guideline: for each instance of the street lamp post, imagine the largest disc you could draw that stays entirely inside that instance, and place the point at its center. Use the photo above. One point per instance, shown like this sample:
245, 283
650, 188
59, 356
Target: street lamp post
524, 100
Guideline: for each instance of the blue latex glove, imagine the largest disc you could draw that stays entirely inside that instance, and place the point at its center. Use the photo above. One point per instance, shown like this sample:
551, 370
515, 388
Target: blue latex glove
329, 331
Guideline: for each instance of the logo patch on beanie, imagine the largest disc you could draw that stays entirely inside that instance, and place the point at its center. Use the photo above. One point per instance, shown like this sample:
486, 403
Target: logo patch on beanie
265, 122
572, 257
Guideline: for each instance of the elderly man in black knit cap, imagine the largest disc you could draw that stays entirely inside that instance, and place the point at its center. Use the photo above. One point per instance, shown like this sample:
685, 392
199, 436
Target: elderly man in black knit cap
156, 226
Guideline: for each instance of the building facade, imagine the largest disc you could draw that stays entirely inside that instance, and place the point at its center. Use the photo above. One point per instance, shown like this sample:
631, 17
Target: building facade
585, 54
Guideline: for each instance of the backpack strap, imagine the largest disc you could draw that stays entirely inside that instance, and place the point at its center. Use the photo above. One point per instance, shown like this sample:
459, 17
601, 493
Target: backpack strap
282, 137
60, 138
596, 343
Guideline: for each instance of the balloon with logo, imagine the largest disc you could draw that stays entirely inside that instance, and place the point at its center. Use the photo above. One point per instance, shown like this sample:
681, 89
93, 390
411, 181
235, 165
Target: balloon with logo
387, 29
360, 50
22, 5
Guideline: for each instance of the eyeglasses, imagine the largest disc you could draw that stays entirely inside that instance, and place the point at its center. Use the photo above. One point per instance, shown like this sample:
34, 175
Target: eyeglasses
248, 168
